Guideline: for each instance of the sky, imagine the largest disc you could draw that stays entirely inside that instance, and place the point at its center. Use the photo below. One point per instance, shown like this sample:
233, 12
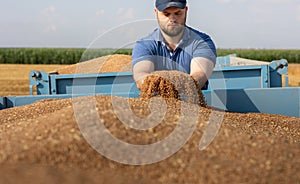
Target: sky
260, 24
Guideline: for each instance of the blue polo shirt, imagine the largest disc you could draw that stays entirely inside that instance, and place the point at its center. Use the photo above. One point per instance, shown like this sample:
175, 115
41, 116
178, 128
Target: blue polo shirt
154, 48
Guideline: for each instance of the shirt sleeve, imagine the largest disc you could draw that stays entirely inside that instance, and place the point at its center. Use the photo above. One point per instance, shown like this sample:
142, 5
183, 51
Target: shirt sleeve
142, 51
205, 47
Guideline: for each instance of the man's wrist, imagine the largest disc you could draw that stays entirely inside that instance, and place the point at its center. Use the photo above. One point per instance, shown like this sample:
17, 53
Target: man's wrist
199, 80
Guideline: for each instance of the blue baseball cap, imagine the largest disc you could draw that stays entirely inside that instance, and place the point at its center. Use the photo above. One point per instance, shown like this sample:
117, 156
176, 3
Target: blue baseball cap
164, 4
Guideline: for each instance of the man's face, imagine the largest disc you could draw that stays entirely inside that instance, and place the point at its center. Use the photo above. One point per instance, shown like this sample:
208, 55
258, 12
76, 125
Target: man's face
172, 20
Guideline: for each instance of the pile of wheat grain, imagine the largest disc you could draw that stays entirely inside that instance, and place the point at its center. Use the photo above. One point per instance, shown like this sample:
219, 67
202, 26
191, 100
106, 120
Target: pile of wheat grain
109, 63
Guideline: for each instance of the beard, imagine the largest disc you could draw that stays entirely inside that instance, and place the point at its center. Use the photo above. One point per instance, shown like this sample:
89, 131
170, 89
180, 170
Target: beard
172, 29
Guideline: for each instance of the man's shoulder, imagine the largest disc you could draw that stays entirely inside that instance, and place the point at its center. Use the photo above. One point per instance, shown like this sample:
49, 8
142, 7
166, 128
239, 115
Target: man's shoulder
197, 34
153, 36
146, 45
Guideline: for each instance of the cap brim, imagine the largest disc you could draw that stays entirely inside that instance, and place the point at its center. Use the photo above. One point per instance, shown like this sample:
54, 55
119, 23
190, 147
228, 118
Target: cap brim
171, 4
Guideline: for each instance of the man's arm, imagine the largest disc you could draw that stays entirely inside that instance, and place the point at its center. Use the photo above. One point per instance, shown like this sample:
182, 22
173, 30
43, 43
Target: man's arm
141, 70
201, 70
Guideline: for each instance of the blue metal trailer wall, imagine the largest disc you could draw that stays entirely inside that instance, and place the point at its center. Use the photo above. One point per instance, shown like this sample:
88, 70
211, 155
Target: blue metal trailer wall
283, 101
240, 77
107, 83
2, 103
13, 101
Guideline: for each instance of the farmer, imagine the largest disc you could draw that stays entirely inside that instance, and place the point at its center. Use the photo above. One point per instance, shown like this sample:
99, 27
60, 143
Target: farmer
174, 46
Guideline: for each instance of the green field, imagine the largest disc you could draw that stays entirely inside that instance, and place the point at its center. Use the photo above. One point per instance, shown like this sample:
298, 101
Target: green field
74, 55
